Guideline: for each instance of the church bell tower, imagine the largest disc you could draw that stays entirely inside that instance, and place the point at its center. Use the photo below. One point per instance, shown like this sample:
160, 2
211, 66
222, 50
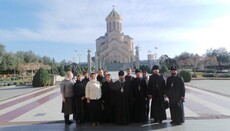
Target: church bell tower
113, 22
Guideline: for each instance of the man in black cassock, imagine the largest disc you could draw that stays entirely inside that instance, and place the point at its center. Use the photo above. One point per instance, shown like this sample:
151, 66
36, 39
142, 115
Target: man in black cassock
122, 99
79, 99
86, 105
106, 99
156, 88
140, 97
129, 78
100, 76
85, 80
175, 91
146, 78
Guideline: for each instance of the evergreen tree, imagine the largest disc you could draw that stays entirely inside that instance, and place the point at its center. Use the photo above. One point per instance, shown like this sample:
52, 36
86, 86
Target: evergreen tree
163, 69
41, 78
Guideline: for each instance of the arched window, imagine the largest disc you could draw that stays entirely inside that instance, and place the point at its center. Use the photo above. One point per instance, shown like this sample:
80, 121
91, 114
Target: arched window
114, 25
110, 26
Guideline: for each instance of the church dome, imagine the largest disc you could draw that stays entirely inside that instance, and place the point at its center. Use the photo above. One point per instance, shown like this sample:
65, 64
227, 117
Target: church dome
113, 14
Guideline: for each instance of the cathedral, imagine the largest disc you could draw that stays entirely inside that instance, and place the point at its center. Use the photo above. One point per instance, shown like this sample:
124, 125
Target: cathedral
114, 50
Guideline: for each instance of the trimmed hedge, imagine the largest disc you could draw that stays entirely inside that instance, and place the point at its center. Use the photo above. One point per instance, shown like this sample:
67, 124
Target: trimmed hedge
41, 78
186, 75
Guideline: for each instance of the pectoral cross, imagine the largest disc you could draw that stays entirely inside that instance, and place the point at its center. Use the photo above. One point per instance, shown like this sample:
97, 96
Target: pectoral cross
122, 87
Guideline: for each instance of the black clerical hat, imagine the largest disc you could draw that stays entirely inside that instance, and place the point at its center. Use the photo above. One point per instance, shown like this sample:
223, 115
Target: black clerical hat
121, 73
136, 71
173, 68
155, 67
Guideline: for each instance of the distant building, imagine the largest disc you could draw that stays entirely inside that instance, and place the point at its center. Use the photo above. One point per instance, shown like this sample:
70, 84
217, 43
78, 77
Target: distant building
150, 63
114, 50
151, 56
152, 60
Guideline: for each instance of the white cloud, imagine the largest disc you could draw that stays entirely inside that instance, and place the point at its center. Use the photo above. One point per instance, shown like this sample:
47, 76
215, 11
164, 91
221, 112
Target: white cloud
215, 35
82, 21
20, 34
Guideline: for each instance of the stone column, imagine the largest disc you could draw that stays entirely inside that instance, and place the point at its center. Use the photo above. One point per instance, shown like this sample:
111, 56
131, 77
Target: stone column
96, 62
89, 61
137, 57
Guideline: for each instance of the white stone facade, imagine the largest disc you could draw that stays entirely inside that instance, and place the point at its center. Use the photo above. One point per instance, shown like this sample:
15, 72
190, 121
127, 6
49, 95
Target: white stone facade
114, 47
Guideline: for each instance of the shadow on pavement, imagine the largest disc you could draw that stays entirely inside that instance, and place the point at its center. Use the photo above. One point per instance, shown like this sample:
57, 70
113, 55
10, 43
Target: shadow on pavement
60, 126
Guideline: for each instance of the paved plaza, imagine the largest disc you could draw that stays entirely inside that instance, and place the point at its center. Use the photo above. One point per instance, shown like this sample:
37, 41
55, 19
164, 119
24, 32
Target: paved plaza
40, 109
217, 86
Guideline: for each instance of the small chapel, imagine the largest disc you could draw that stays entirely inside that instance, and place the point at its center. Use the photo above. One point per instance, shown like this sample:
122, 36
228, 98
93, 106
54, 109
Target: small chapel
115, 50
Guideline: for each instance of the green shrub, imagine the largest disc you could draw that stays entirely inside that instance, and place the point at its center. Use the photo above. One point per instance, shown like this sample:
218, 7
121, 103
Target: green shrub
164, 69
41, 78
15, 83
5, 84
62, 73
186, 75
21, 83
13, 78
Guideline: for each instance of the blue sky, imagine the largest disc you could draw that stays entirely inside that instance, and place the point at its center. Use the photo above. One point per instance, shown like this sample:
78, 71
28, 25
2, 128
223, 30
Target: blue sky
63, 29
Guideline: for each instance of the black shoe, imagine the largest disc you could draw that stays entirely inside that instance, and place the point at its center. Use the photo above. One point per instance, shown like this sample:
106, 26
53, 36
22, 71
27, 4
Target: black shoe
160, 122
178, 123
94, 124
175, 123
78, 123
68, 122
155, 121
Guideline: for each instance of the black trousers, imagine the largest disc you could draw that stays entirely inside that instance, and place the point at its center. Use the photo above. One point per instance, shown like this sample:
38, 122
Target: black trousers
95, 110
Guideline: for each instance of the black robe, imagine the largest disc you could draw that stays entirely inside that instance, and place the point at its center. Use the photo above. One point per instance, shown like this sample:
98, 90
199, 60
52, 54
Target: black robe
123, 96
86, 105
129, 78
106, 101
156, 89
79, 92
131, 108
101, 79
175, 89
85, 81
140, 99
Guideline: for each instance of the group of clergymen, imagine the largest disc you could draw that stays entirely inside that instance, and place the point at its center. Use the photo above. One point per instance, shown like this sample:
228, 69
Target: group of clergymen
97, 99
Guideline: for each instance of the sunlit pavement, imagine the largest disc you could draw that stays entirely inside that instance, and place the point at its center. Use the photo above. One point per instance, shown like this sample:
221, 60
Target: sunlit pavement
41, 110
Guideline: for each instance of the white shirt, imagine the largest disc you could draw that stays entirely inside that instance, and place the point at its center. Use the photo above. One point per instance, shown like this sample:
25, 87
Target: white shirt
147, 80
93, 90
